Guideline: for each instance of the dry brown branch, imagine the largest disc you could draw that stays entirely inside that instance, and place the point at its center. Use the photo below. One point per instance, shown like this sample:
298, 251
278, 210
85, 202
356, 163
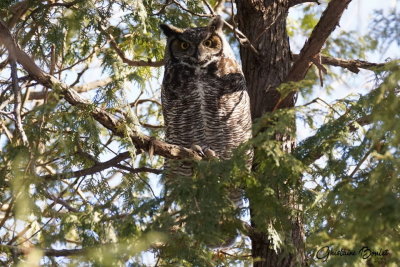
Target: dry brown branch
6, 131
61, 201
4, 63
138, 170
353, 65
325, 26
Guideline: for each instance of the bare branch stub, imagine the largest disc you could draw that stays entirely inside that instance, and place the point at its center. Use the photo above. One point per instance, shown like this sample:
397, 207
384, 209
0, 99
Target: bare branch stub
353, 65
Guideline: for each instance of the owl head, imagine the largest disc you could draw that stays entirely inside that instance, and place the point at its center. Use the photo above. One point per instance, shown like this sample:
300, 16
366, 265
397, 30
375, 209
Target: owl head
195, 46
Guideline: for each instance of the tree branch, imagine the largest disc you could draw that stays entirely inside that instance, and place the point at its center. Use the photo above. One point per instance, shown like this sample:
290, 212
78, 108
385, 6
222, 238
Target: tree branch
17, 101
18, 10
61, 201
142, 142
80, 88
138, 170
46, 252
297, 2
326, 25
121, 54
98, 167
353, 65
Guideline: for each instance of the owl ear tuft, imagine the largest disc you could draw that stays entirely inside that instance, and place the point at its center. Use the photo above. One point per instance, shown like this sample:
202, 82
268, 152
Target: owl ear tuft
216, 24
170, 30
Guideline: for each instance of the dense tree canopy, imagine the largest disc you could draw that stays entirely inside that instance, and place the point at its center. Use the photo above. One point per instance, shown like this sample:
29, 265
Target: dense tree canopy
82, 150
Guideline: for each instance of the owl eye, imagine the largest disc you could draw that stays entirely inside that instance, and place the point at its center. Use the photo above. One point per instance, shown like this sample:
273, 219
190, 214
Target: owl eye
207, 43
184, 45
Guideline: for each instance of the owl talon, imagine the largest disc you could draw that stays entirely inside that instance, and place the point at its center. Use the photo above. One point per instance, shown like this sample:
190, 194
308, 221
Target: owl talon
210, 154
198, 149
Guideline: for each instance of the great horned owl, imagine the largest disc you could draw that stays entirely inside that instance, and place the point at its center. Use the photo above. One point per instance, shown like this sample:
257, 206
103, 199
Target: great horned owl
204, 97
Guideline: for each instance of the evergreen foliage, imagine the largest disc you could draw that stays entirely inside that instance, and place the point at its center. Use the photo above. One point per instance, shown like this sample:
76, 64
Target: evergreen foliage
64, 201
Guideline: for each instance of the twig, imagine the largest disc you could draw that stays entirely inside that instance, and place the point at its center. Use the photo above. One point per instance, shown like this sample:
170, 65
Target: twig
162, 9
353, 65
138, 170
7, 214
52, 60
6, 131
17, 101
121, 54
98, 167
95, 49
191, 12
79, 88
209, 7
140, 101
4, 63
79, 75
49, 220
219, 6
241, 37
61, 202
360, 163
19, 234
325, 26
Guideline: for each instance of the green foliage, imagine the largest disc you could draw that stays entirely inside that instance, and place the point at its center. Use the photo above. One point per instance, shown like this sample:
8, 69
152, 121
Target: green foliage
385, 28
342, 179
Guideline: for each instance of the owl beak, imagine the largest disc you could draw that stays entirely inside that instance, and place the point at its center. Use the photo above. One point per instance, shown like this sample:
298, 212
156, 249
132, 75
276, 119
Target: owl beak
198, 54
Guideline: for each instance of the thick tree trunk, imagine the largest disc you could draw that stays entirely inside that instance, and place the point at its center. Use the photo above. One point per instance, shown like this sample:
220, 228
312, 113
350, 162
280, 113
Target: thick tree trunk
264, 24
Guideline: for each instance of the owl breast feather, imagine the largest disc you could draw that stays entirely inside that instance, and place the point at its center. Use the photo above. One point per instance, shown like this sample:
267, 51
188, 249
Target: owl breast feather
207, 106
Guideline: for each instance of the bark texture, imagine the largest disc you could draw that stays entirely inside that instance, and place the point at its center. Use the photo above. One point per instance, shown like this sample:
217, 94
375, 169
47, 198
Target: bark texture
264, 24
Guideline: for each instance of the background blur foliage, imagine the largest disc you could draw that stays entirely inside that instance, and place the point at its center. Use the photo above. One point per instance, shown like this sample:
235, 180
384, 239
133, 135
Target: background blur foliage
349, 166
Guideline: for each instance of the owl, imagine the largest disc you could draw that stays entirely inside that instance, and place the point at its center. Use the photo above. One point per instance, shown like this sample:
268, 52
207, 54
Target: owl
204, 98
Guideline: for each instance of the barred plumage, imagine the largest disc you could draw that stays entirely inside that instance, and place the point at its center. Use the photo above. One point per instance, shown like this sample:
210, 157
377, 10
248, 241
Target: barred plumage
204, 96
